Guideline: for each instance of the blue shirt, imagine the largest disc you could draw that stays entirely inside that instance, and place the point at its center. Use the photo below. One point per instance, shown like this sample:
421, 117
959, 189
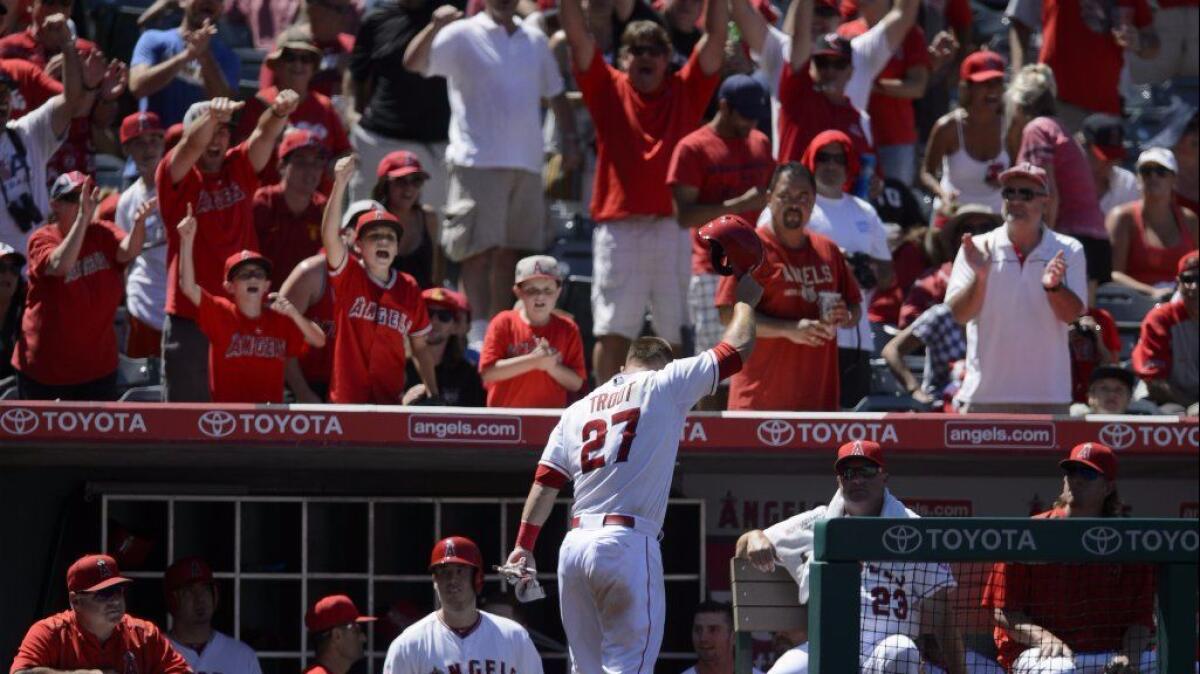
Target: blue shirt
173, 100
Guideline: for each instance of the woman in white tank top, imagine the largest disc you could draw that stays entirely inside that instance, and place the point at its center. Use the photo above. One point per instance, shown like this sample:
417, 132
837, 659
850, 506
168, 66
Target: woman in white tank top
951, 170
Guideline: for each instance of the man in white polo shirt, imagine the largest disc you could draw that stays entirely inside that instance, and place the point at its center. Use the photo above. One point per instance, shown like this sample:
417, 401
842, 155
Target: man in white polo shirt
1017, 288
497, 72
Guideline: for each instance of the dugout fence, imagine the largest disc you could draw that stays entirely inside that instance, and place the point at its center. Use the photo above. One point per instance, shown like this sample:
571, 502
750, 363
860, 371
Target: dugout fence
1090, 554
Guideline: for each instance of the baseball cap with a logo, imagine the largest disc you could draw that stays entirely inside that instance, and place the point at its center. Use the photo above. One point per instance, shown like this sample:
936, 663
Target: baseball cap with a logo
186, 571
399, 164
982, 66
1095, 456
538, 266
377, 218
298, 139
444, 297
244, 257
139, 124
333, 611
67, 183
832, 44
860, 449
1027, 171
93, 573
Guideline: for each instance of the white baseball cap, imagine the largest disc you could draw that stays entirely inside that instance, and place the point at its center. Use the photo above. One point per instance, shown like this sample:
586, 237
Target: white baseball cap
1158, 155
358, 208
538, 266
8, 251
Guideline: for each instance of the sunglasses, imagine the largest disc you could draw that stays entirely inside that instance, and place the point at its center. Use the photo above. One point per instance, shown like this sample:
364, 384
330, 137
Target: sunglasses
866, 472
292, 56
443, 315
830, 158
1189, 278
1020, 194
1154, 170
648, 50
409, 181
979, 227
1086, 473
250, 275
831, 63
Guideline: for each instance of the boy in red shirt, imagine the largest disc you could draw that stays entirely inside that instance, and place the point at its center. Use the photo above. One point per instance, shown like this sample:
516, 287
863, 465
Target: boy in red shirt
247, 347
533, 356
375, 307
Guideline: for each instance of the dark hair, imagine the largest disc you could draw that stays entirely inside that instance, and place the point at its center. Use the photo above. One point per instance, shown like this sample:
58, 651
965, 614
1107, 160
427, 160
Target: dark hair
791, 169
320, 640
652, 352
638, 32
710, 606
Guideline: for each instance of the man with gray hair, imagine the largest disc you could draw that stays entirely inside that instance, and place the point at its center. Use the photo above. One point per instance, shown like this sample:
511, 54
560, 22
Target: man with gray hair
218, 182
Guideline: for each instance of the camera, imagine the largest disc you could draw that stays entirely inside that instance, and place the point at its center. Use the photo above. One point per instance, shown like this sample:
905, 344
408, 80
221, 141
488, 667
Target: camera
860, 264
25, 213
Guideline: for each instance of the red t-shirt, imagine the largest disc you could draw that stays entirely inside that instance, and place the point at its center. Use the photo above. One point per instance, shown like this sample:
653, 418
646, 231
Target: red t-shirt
317, 364
1046, 142
246, 355
893, 121
66, 333
222, 204
34, 86
508, 336
315, 114
1154, 355
791, 280
928, 290
285, 238
721, 168
909, 262
372, 321
135, 647
1084, 355
76, 152
107, 208
328, 78
805, 112
637, 133
1085, 58
1088, 606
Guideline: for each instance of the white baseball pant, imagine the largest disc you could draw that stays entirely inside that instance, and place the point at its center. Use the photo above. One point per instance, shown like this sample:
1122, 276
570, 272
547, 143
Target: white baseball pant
893, 654
1031, 662
612, 599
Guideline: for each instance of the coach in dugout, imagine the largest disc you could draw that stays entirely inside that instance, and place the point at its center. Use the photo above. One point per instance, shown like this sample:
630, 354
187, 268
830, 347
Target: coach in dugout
1075, 618
892, 620
95, 634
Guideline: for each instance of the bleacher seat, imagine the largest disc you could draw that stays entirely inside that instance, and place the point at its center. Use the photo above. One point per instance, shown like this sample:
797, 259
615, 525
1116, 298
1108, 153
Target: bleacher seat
136, 372
1126, 305
144, 394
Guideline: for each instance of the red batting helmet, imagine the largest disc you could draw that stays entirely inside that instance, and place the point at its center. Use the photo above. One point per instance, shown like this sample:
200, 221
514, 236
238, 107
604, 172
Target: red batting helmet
458, 550
733, 245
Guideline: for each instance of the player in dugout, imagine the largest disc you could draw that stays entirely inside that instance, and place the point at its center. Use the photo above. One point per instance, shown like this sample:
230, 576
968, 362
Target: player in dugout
893, 611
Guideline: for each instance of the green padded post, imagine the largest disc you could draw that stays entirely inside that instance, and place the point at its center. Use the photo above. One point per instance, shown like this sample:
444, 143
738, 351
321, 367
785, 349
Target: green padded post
743, 653
833, 608
1177, 613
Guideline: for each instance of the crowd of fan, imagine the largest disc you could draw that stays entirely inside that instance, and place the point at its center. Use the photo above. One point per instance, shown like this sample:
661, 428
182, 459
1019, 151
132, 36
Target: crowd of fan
448, 129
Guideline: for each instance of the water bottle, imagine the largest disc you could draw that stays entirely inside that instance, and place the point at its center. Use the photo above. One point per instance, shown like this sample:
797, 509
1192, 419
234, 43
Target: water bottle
866, 170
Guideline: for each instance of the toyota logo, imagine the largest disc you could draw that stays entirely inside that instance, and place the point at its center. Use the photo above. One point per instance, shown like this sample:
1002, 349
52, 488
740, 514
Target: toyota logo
1101, 540
216, 423
901, 539
1117, 436
19, 421
775, 432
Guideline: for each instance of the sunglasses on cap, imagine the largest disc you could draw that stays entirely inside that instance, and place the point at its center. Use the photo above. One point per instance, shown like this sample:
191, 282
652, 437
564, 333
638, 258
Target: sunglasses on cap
1086, 473
831, 62
830, 158
443, 315
866, 472
1154, 170
647, 50
1020, 194
1189, 278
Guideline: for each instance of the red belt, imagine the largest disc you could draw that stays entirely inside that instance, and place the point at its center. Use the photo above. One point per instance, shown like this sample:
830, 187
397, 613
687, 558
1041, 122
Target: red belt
611, 520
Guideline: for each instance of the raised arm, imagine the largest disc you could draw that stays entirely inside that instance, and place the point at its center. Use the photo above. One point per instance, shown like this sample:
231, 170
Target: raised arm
198, 135
741, 331
271, 123
574, 24
64, 256
146, 79
799, 25
967, 301
1066, 305
712, 45
55, 31
311, 331
416, 56
751, 23
131, 245
187, 262
899, 21
331, 222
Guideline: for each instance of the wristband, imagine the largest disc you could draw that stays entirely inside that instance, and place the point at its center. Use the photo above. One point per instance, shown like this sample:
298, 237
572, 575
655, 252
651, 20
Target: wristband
527, 535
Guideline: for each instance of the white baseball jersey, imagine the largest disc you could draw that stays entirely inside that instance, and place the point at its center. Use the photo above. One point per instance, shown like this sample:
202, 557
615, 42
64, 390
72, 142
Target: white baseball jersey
496, 645
222, 655
619, 443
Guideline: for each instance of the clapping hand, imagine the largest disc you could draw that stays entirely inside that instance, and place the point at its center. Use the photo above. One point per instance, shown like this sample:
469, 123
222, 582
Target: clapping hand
979, 260
1056, 269
282, 305
199, 39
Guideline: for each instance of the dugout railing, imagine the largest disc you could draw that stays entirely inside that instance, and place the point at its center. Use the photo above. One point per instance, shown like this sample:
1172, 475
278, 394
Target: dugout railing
841, 545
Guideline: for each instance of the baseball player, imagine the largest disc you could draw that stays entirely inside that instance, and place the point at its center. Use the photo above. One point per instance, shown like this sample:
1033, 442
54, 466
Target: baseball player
893, 595
338, 634
618, 446
191, 600
458, 638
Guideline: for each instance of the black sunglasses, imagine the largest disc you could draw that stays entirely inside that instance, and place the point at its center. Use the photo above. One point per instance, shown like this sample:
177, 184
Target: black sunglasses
648, 50
866, 472
830, 158
292, 56
443, 315
1189, 278
1020, 194
1154, 170
828, 62
1086, 472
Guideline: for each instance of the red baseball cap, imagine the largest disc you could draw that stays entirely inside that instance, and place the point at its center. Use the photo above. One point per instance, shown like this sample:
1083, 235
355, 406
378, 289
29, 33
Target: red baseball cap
1095, 456
860, 449
92, 573
444, 297
377, 217
1192, 259
139, 124
1025, 170
186, 571
174, 135
399, 164
298, 139
333, 611
982, 66
244, 257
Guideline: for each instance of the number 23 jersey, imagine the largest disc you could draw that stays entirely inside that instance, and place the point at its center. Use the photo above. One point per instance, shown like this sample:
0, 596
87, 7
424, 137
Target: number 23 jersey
618, 445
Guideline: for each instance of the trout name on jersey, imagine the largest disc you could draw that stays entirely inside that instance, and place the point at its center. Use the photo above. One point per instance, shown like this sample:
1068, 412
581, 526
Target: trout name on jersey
365, 310
477, 667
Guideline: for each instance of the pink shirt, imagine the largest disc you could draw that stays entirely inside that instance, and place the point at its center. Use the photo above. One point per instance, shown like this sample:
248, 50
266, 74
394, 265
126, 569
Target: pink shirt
1045, 143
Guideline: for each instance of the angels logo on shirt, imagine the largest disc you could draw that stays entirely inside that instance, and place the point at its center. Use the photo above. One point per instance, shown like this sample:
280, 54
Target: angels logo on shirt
521, 348
255, 346
220, 199
366, 310
807, 278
